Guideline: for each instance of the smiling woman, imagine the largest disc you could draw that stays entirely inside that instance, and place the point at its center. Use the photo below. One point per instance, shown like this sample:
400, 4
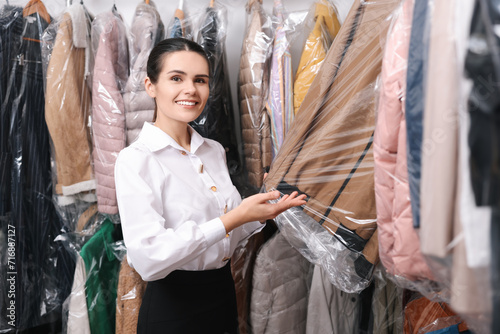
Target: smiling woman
180, 91
181, 216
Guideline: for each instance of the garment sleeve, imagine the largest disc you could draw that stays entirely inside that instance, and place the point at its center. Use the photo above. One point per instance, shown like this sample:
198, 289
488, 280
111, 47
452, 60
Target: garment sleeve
155, 249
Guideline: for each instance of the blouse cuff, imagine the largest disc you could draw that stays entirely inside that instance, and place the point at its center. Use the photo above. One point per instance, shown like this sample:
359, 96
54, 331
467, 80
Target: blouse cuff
213, 230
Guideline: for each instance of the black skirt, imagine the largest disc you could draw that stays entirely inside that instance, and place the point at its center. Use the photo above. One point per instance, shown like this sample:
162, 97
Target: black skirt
190, 302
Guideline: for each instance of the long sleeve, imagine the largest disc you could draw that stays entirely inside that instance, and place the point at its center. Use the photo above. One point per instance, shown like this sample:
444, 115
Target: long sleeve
153, 248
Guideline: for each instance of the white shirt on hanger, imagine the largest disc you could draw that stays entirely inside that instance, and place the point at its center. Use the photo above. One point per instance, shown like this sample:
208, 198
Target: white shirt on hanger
170, 201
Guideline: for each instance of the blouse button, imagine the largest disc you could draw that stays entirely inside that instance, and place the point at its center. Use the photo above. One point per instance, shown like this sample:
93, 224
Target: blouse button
225, 209
225, 259
183, 153
227, 235
214, 188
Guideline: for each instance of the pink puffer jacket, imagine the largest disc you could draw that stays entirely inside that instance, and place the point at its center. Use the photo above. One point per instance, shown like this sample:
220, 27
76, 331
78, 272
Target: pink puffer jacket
108, 117
398, 240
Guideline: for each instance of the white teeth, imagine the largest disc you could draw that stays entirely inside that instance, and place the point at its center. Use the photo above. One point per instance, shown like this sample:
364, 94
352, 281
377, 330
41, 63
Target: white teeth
186, 103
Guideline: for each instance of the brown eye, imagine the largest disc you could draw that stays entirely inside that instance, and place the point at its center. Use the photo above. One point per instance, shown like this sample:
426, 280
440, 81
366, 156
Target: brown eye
176, 79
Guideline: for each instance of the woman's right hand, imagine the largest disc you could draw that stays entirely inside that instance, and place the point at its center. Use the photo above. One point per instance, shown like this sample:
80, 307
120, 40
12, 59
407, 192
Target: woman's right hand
257, 208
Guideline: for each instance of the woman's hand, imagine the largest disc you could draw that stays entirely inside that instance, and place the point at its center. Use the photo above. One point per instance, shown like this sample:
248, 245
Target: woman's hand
258, 208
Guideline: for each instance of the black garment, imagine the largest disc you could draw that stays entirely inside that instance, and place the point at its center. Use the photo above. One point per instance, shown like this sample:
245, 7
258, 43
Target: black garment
194, 302
217, 119
11, 27
483, 67
43, 268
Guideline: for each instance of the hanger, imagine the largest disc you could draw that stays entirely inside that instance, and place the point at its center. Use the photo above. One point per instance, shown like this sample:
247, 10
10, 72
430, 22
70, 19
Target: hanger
36, 7
114, 9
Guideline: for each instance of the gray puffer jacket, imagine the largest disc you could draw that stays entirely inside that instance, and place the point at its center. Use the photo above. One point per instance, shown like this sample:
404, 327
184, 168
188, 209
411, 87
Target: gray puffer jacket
146, 31
281, 283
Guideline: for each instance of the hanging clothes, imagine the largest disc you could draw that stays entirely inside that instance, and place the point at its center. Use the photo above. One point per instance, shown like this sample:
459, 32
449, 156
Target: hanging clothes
318, 42
129, 295
68, 103
399, 243
280, 289
11, 28
420, 313
280, 97
415, 102
101, 256
440, 179
146, 31
331, 310
33, 214
482, 139
176, 28
387, 305
252, 83
109, 35
217, 118
78, 312
328, 154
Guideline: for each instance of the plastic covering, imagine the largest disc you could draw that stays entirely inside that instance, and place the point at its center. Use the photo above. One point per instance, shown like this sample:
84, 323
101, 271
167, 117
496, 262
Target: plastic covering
399, 244
110, 74
217, 118
327, 154
325, 26
36, 273
179, 25
252, 83
67, 60
146, 31
279, 103
424, 316
98, 251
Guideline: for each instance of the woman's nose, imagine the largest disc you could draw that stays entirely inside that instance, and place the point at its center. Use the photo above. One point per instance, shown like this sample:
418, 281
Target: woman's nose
190, 87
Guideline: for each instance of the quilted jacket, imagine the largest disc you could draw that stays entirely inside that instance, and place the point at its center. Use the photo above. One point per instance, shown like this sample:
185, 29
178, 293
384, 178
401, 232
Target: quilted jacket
108, 118
399, 243
146, 31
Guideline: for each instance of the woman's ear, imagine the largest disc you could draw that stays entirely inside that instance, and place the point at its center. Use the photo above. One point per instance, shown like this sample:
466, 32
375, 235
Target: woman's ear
150, 87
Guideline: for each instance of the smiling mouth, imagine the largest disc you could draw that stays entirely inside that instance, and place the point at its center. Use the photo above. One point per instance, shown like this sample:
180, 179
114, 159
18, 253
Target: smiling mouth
186, 103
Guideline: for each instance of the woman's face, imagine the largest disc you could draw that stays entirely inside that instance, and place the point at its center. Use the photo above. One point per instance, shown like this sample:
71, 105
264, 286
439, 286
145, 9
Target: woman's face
181, 91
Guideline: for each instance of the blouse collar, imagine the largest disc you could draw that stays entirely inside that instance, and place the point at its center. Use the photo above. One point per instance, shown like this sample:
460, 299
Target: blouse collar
156, 139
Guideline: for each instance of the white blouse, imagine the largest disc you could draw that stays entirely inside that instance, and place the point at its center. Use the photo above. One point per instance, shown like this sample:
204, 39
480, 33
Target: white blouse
170, 201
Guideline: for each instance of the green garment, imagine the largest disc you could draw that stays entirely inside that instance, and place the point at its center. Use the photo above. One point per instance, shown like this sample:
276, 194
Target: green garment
102, 268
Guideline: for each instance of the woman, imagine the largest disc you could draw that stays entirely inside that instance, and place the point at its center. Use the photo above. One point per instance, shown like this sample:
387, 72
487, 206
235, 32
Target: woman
182, 218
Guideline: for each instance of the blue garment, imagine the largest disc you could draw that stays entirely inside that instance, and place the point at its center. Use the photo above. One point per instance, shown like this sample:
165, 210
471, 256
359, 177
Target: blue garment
448, 330
415, 101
